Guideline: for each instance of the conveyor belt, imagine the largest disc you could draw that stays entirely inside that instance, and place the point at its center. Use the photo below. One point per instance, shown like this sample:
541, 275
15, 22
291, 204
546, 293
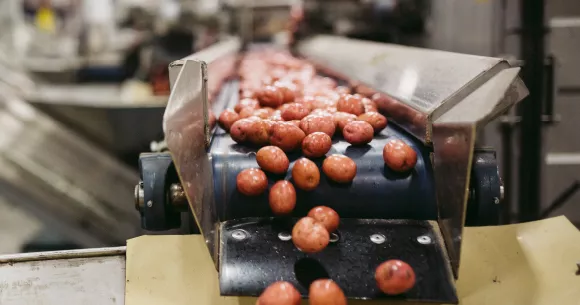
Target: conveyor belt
376, 192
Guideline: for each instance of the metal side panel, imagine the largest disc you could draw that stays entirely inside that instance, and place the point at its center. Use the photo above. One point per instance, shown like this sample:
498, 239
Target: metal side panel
89, 277
430, 82
62, 179
187, 130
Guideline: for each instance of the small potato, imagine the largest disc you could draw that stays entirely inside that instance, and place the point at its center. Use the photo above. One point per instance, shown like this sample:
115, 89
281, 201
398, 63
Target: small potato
307, 102
327, 216
240, 129
309, 235
377, 120
394, 277
358, 133
294, 111
399, 156
322, 102
276, 116
282, 198
316, 145
271, 96
280, 293
246, 112
272, 159
286, 136
305, 174
227, 118
351, 104
321, 112
252, 182
342, 118
288, 91
369, 105
339, 168
263, 113
326, 292
314, 123
246, 102
259, 133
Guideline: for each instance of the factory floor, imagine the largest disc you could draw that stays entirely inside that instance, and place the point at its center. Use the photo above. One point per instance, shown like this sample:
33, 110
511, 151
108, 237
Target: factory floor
16, 228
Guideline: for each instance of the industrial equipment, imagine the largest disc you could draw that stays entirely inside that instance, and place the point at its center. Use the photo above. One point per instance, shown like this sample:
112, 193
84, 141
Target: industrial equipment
439, 101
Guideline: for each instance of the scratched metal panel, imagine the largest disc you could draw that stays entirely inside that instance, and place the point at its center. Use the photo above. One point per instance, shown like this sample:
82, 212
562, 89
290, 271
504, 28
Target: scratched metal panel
92, 280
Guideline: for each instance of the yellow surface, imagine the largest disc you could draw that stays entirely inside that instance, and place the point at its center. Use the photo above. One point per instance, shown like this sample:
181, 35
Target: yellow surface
531, 263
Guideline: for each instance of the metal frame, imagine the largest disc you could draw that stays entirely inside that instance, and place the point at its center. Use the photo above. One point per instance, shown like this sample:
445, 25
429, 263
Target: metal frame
442, 98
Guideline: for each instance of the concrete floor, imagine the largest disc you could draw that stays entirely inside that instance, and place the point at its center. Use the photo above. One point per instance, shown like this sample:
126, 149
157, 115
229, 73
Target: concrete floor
16, 227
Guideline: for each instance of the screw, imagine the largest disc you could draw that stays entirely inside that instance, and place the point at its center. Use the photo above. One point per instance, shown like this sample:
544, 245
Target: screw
378, 238
285, 236
239, 234
149, 203
496, 200
333, 237
424, 239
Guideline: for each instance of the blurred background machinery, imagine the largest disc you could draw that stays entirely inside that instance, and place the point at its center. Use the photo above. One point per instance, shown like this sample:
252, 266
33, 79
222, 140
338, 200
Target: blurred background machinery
94, 75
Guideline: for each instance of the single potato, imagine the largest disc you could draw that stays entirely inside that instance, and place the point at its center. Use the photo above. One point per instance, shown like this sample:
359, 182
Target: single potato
310, 236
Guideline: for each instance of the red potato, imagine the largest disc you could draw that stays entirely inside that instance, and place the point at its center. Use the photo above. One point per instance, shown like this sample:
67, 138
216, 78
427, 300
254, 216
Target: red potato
246, 112
263, 113
322, 102
279, 293
252, 182
309, 235
369, 105
326, 216
351, 104
306, 101
294, 111
316, 145
394, 277
342, 118
240, 129
259, 133
247, 102
358, 132
399, 156
339, 168
270, 96
227, 118
377, 120
326, 292
276, 116
314, 123
305, 174
321, 112
272, 159
288, 91
282, 198
286, 136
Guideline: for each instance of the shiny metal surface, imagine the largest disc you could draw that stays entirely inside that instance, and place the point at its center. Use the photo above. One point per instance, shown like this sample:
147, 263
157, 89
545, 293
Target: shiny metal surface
454, 135
423, 84
187, 131
75, 187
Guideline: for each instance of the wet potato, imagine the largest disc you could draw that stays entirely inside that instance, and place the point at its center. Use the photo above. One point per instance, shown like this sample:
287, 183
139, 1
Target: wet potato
227, 118
377, 120
326, 292
358, 132
251, 182
326, 216
394, 277
318, 123
305, 174
279, 293
309, 235
282, 198
272, 159
399, 156
339, 168
316, 145
286, 136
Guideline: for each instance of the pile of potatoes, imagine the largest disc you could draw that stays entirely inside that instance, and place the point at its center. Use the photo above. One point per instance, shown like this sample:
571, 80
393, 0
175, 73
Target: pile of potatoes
284, 107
